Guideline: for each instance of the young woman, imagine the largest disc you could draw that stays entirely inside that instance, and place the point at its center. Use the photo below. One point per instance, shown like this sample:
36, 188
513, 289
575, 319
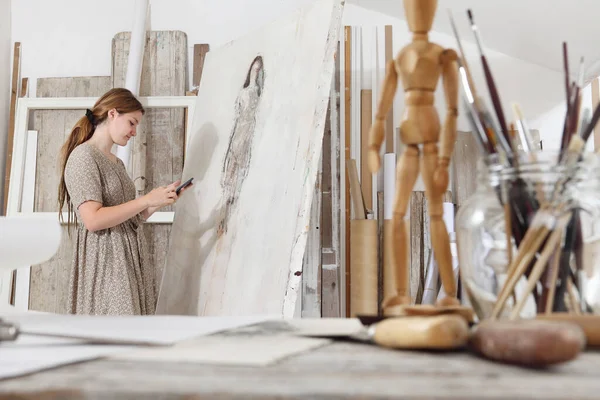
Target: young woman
110, 274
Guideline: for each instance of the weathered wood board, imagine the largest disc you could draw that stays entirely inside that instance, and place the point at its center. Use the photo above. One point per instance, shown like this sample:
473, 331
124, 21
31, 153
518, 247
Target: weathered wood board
343, 370
331, 306
49, 281
160, 139
159, 145
311, 265
266, 115
417, 199
464, 167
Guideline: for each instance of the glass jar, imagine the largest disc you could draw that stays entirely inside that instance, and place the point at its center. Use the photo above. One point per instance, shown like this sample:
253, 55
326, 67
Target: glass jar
547, 261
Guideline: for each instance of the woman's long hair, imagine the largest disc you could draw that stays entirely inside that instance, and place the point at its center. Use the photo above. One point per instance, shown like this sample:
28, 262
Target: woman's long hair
259, 76
121, 100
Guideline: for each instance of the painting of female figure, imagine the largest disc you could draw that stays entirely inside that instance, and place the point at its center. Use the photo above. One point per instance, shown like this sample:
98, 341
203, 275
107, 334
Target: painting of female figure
237, 244
239, 150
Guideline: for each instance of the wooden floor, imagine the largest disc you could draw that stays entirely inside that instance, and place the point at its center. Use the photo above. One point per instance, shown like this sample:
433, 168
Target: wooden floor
339, 370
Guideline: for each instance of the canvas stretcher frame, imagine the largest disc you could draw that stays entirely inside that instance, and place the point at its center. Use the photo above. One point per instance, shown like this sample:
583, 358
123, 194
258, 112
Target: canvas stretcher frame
19, 170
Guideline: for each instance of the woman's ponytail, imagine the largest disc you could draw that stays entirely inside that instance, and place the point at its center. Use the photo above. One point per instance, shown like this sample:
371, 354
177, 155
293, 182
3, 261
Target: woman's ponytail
81, 132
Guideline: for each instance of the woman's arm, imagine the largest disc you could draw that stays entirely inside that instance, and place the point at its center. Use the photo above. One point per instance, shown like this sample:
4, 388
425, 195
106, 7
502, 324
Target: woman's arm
95, 217
147, 213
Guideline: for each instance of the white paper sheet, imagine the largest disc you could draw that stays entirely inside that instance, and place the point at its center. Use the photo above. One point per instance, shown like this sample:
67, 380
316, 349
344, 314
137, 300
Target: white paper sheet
143, 330
30, 354
239, 350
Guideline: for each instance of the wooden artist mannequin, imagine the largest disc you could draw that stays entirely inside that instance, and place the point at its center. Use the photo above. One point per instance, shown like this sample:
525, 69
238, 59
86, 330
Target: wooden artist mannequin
419, 66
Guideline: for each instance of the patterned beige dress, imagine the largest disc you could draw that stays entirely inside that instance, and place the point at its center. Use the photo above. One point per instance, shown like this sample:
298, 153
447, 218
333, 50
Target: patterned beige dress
111, 274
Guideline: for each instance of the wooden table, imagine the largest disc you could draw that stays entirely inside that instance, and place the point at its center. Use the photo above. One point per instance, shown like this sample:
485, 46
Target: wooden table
341, 369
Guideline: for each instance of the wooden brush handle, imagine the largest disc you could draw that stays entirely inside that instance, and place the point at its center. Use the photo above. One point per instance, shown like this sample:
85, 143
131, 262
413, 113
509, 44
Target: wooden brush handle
441, 332
539, 268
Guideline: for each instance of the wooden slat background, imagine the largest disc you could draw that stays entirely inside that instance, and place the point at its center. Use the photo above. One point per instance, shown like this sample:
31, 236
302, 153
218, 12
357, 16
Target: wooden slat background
331, 204
11, 120
160, 138
366, 178
161, 134
311, 267
464, 167
49, 280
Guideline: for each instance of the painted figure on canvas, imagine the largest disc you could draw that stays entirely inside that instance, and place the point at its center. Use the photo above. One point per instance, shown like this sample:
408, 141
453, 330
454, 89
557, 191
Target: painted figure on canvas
239, 150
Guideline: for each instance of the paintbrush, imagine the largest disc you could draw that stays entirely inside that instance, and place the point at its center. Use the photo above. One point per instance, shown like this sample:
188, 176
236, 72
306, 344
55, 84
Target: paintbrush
522, 204
503, 137
473, 103
553, 298
488, 139
566, 71
522, 127
567, 92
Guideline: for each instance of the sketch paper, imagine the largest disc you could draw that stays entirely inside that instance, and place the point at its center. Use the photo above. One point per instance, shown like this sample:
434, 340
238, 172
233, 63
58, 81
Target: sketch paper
239, 350
239, 234
28, 355
143, 330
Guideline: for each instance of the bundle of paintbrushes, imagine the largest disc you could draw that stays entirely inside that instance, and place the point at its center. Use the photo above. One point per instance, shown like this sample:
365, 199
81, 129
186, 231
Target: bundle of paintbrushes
545, 225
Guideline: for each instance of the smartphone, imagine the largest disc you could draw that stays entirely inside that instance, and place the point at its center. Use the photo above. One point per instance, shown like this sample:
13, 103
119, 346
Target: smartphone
184, 185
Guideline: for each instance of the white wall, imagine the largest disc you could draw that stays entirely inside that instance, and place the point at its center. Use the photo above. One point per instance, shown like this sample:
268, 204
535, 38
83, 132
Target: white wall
552, 122
5, 78
73, 38
537, 89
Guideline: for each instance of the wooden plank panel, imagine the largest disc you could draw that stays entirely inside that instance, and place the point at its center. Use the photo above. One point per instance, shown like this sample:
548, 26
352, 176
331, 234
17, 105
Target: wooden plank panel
158, 149
160, 135
330, 223
313, 254
157, 236
389, 122
73, 87
380, 231
342, 369
366, 178
49, 280
416, 241
464, 167
11, 119
24, 87
200, 51
347, 155
311, 268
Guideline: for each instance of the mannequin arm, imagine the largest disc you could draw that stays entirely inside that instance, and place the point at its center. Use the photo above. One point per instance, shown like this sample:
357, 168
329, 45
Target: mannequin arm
377, 132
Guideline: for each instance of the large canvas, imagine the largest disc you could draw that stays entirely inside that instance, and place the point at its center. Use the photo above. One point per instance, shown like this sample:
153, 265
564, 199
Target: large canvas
239, 234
